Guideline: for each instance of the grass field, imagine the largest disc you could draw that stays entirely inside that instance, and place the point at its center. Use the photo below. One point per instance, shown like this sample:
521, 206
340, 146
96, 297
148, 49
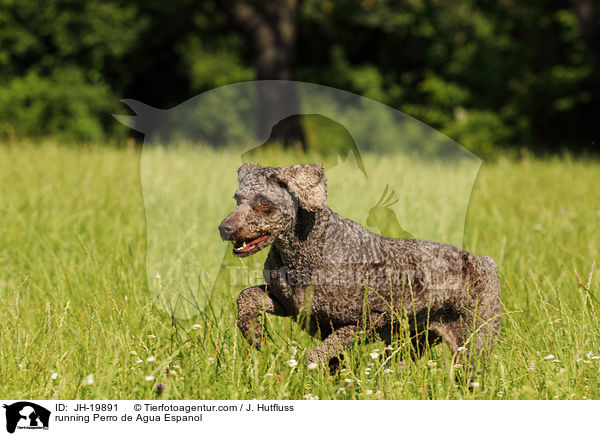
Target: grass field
79, 321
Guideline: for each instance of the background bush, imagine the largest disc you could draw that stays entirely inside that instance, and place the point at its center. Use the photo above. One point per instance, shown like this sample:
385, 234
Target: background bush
491, 75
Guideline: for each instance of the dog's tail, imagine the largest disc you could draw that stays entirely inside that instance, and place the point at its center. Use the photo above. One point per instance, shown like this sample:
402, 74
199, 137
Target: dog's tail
490, 260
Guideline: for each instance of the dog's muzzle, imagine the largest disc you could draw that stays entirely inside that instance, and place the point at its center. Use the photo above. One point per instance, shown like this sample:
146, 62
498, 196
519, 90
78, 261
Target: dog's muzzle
225, 230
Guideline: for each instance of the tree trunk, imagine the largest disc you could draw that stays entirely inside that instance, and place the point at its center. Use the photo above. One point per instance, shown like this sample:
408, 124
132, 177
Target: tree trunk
589, 22
271, 25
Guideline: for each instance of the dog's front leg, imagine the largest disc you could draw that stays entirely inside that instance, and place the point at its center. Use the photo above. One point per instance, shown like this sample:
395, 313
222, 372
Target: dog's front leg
330, 349
250, 303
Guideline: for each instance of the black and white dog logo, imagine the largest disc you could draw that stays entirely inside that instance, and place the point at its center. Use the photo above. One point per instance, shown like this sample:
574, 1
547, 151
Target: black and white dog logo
26, 415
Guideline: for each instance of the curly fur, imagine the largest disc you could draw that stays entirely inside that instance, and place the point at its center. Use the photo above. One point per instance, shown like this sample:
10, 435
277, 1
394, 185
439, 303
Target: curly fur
331, 268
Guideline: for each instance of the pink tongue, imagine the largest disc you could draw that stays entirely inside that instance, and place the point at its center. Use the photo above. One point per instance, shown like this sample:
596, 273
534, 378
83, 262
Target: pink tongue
252, 243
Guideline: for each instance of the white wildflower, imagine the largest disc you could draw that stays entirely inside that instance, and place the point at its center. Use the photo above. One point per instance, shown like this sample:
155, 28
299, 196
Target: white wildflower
149, 378
431, 363
292, 363
474, 384
139, 361
549, 357
151, 359
369, 392
312, 366
374, 354
196, 327
54, 376
89, 380
461, 349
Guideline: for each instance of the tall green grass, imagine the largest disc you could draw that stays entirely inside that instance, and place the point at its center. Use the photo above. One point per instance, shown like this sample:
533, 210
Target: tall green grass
78, 320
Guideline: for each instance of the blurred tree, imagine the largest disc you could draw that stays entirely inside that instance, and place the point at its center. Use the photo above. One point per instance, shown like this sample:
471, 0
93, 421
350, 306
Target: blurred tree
271, 26
490, 74
589, 20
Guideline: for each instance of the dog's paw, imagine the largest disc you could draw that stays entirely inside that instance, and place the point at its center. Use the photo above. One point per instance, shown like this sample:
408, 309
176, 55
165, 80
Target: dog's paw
334, 365
252, 331
255, 337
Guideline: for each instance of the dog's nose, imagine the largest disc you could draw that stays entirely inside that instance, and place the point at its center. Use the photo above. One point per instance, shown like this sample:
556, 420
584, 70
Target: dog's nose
225, 230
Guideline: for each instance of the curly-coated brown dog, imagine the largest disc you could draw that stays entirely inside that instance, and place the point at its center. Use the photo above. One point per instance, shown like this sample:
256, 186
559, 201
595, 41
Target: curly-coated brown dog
348, 279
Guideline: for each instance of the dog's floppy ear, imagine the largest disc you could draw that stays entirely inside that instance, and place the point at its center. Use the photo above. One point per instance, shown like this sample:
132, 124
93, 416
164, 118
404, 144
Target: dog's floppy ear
308, 184
244, 169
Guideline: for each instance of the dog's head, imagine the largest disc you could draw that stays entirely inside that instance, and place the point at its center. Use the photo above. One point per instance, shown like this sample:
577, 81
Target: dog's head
268, 200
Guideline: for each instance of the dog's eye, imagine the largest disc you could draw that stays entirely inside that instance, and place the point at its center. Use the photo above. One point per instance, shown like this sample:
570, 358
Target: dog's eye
264, 204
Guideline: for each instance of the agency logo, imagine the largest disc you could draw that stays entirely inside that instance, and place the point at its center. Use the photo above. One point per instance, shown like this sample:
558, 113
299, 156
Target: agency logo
26, 415
390, 173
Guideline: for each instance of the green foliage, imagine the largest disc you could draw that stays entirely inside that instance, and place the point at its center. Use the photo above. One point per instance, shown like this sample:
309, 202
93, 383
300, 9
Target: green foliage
61, 64
479, 130
61, 104
489, 74
209, 66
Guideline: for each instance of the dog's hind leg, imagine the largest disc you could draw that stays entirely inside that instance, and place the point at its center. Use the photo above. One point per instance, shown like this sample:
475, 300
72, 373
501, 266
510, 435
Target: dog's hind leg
330, 349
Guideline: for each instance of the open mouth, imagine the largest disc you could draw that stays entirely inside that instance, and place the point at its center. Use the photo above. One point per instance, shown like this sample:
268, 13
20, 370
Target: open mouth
246, 248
